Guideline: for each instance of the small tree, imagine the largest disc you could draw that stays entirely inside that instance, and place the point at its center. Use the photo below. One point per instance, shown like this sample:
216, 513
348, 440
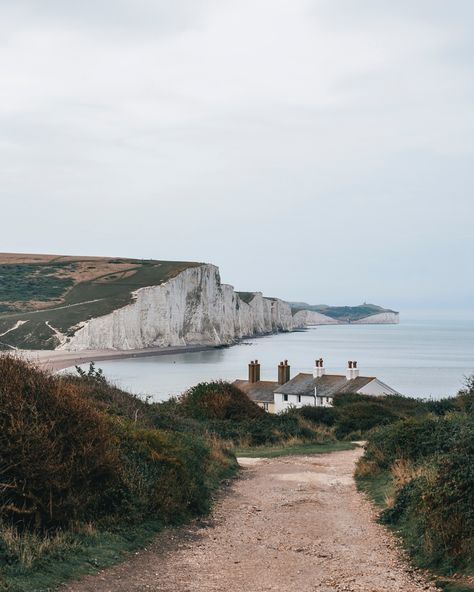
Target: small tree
92, 373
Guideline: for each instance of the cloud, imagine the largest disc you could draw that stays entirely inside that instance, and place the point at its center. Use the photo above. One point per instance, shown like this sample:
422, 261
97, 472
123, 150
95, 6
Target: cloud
248, 134
106, 17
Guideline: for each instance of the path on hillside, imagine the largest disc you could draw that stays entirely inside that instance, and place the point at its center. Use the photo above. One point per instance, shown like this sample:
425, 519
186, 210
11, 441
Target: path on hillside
287, 524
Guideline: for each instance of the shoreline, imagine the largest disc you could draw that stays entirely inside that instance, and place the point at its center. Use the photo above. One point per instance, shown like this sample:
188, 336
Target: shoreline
54, 360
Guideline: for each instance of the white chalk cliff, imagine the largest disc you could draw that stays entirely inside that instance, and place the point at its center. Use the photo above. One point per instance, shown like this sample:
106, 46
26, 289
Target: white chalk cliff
192, 308
382, 318
307, 318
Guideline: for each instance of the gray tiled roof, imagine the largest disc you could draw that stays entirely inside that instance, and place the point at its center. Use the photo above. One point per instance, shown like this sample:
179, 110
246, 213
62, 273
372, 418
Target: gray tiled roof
354, 385
301, 384
261, 391
327, 385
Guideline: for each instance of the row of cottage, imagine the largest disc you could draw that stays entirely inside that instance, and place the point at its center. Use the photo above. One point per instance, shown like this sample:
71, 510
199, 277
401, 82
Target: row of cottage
317, 389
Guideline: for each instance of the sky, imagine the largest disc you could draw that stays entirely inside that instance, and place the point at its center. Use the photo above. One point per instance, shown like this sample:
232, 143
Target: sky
315, 150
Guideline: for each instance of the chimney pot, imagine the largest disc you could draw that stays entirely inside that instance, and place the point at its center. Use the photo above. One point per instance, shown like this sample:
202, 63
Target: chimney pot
319, 368
355, 370
287, 371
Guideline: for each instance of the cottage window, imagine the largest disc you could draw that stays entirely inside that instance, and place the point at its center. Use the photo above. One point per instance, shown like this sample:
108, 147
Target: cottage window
285, 397
265, 406
299, 398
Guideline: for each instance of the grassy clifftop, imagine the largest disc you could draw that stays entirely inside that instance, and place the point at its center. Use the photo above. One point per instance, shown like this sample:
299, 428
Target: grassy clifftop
342, 313
43, 294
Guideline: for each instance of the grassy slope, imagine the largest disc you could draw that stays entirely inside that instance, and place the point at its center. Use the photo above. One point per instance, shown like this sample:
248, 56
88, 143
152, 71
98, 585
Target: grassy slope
341, 313
149, 460
56, 297
246, 297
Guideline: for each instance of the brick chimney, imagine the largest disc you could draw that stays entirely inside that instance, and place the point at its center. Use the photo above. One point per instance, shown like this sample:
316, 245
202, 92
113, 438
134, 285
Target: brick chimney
283, 372
319, 369
254, 371
257, 370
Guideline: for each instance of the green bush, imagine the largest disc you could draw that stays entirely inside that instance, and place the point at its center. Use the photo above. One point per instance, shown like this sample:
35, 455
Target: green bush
426, 464
162, 474
218, 400
57, 453
321, 415
435, 509
414, 439
75, 449
356, 419
223, 410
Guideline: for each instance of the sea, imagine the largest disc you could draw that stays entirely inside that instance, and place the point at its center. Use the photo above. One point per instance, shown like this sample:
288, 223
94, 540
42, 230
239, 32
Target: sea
420, 358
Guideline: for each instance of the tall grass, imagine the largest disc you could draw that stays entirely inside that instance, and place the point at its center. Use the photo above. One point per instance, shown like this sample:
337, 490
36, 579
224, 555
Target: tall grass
425, 468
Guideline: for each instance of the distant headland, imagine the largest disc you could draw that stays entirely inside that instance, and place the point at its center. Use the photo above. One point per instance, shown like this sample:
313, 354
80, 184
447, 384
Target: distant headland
362, 314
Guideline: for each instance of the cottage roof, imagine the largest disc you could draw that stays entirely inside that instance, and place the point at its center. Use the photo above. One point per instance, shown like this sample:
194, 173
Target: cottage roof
261, 391
327, 385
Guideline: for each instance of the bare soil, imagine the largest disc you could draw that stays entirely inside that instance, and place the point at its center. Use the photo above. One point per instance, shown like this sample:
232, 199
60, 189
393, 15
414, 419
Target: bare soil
287, 524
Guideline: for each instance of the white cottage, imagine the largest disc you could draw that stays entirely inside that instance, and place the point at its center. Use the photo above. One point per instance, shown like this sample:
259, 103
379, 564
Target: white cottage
317, 389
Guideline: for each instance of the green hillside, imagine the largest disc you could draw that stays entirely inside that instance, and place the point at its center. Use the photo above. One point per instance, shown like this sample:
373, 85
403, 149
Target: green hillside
341, 313
43, 294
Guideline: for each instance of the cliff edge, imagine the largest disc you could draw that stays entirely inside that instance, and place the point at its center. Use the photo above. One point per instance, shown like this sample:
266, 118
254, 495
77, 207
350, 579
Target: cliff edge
92, 303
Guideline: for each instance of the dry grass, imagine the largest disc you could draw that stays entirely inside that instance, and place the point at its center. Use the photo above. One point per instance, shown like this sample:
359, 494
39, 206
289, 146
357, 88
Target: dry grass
27, 547
366, 468
403, 471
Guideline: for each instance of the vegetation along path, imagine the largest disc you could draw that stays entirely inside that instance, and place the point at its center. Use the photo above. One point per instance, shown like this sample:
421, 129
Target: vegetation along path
290, 523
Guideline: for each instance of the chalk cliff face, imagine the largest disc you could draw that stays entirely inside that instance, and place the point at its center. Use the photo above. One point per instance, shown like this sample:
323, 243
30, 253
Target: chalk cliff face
191, 308
307, 318
194, 308
383, 318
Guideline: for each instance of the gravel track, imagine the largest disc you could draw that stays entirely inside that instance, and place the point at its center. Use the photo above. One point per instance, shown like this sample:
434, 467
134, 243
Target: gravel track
287, 524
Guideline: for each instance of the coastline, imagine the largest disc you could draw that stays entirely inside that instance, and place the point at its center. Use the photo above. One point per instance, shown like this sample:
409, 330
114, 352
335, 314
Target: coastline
54, 360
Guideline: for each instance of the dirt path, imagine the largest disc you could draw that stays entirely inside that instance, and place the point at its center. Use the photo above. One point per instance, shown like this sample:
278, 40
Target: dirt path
289, 524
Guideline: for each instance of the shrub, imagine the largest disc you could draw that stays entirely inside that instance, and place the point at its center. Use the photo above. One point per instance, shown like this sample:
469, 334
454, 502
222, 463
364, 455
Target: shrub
322, 415
431, 463
436, 508
356, 419
218, 400
163, 474
414, 439
75, 449
465, 398
56, 450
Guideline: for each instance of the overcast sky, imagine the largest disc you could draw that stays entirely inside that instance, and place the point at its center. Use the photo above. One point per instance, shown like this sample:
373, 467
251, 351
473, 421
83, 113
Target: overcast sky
317, 150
